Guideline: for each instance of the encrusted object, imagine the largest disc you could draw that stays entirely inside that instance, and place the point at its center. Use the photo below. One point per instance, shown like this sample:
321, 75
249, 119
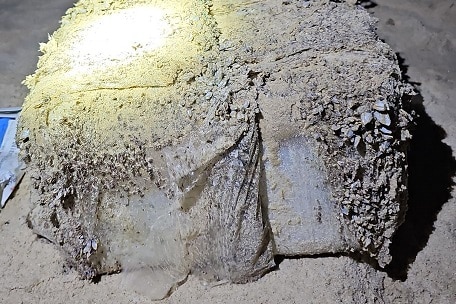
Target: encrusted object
223, 139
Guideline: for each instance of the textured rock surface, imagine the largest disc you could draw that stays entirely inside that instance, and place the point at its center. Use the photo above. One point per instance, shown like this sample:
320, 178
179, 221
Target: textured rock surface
175, 159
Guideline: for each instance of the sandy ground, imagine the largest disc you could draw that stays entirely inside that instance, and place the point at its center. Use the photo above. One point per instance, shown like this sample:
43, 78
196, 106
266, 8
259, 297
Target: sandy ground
423, 269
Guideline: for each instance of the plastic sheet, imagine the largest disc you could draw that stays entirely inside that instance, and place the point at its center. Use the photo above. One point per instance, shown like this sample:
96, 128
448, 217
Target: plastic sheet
11, 168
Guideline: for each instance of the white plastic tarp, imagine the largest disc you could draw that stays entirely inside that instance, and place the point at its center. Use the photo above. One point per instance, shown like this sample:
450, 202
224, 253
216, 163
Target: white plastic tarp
11, 168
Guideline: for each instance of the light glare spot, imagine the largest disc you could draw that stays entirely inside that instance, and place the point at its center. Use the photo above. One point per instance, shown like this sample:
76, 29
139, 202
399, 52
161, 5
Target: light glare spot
115, 38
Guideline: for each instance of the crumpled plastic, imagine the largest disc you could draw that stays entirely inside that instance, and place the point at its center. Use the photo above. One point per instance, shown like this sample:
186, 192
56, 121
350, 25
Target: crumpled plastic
11, 167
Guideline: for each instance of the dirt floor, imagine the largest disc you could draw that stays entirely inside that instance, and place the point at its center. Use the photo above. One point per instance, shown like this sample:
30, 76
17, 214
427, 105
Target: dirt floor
423, 32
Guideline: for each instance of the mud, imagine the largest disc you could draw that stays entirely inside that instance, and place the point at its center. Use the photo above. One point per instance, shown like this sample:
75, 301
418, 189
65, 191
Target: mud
168, 156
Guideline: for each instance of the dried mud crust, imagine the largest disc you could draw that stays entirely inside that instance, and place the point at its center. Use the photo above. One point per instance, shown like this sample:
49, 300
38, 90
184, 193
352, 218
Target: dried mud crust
85, 147
329, 76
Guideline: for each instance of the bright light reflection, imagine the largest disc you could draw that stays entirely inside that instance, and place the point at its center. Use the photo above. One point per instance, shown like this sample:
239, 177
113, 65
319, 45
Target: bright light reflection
117, 37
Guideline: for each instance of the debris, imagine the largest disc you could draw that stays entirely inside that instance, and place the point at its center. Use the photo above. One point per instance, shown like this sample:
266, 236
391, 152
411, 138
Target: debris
366, 118
11, 168
380, 105
208, 159
384, 119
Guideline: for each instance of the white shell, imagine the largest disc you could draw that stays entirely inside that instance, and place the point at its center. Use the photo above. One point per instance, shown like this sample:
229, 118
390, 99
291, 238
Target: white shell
384, 119
366, 118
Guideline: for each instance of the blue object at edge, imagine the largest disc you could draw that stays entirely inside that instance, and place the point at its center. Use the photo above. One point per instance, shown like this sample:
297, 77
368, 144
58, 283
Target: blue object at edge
3, 127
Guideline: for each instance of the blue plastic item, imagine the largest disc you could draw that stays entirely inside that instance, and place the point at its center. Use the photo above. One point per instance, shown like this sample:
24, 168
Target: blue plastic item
3, 127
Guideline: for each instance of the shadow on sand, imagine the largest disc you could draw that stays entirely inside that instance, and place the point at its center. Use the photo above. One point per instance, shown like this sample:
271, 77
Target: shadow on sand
431, 171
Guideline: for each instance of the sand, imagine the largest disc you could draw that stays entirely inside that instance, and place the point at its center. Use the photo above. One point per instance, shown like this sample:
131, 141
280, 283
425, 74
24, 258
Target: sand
423, 268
